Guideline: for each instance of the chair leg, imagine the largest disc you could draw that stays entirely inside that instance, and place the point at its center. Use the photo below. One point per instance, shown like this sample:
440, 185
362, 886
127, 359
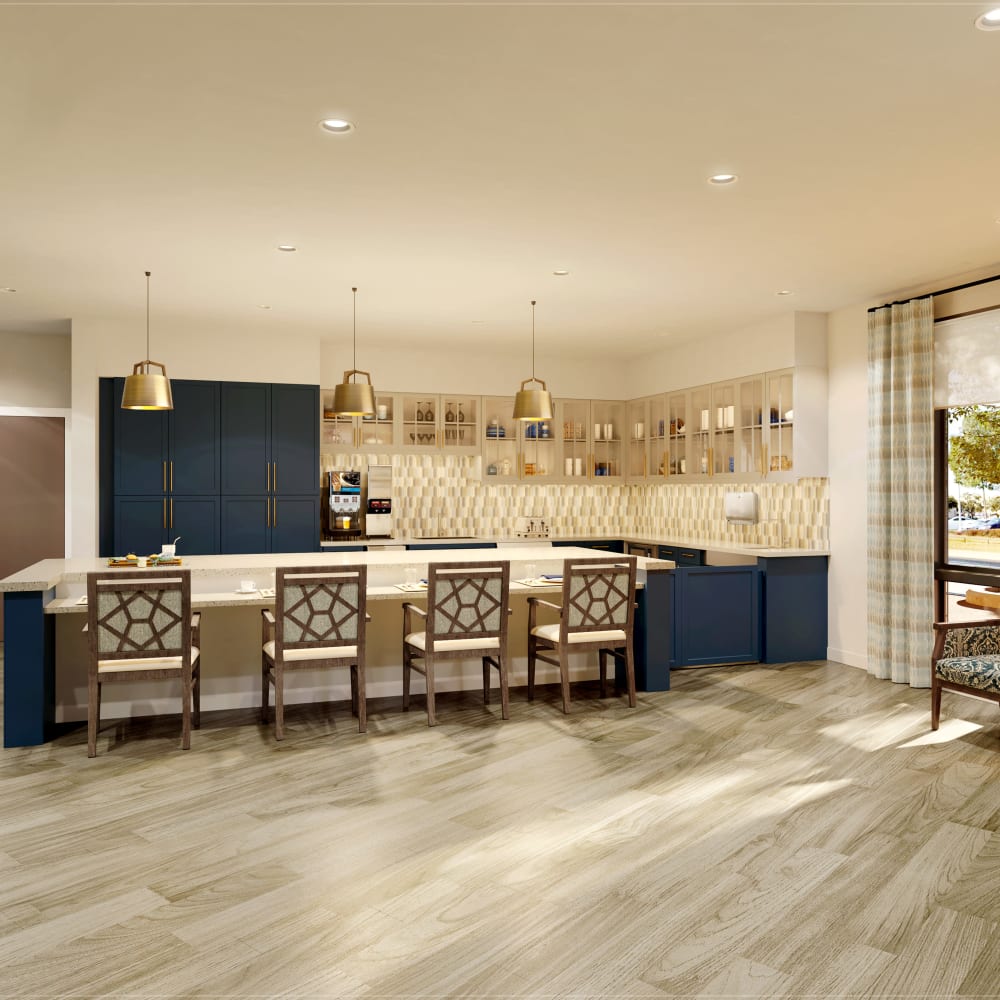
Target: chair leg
362, 704
532, 648
196, 680
265, 684
407, 668
186, 685
486, 680
279, 702
93, 714
429, 676
504, 688
630, 674
935, 702
353, 669
564, 676
602, 659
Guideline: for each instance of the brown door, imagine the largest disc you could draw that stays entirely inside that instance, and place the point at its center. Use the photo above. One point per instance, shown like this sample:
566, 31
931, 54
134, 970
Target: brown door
32, 492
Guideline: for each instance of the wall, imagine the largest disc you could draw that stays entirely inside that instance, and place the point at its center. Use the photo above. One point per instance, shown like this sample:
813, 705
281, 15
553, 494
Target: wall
35, 371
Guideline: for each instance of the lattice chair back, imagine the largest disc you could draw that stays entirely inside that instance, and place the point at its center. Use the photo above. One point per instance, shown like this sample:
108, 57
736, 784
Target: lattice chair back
139, 614
598, 594
319, 606
467, 600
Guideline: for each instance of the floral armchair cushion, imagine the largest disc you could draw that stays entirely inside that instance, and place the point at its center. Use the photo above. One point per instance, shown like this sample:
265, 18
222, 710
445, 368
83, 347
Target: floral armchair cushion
971, 658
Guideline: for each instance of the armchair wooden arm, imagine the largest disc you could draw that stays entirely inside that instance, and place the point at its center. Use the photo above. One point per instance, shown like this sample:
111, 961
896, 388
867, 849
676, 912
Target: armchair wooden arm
267, 617
407, 609
533, 605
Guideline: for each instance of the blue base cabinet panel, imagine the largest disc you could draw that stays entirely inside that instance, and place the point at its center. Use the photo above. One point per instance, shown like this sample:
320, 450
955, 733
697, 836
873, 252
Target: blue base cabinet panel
683, 555
29, 676
417, 546
653, 635
295, 524
716, 615
795, 609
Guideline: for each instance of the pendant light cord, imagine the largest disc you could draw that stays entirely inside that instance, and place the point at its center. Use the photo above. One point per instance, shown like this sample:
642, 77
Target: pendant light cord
533, 340
355, 291
147, 315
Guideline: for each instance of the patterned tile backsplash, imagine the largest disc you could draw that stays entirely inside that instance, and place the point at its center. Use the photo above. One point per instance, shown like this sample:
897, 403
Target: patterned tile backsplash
445, 495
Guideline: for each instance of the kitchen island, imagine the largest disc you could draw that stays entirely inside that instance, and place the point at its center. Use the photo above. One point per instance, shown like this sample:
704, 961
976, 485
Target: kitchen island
45, 655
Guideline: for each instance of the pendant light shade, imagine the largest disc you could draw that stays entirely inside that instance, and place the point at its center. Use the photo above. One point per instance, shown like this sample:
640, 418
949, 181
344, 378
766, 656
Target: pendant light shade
354, 399
145, 390
533, 404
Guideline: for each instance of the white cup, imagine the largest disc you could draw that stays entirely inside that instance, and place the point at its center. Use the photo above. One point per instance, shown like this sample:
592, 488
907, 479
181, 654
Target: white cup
383, 411
568, 466
577, 466
410, 574
530, 571
597, 432
168, 551
247, 587
141, 562
609, 432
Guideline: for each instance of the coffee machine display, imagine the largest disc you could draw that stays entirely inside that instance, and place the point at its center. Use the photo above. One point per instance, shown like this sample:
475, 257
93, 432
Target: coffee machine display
344, 513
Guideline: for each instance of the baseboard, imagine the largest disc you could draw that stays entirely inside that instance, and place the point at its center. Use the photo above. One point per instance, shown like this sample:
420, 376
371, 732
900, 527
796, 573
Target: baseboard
848, 657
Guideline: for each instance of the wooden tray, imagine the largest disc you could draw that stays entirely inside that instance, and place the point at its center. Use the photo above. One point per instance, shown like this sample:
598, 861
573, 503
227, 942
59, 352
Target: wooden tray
127, 563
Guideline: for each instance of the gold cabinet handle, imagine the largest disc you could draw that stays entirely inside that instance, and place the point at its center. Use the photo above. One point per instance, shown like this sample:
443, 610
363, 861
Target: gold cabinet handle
171, 510
711, 461
164, 478
171, 484
274, 514
267, 512
274, 477
164, 513
267, 467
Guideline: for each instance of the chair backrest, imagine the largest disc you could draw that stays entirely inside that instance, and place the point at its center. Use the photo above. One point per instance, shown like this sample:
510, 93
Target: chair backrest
320, 606
139, 614
971, 641
468, 600
598, 595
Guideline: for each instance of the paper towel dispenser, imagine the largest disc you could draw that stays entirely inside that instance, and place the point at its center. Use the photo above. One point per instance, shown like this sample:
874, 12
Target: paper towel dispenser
741, 508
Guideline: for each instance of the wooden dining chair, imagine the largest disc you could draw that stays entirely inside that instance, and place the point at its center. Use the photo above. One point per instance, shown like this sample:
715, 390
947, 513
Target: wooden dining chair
140, 628
966, 658
318, 621
597, 613
466, 616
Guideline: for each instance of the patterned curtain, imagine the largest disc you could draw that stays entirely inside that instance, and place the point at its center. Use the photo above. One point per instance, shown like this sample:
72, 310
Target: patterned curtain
900, 491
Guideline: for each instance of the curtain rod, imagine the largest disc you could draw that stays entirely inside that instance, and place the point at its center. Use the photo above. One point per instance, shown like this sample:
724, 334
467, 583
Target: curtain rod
940, 291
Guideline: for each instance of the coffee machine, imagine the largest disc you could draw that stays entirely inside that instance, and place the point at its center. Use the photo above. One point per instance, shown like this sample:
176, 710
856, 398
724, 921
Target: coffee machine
378, 516
343, 520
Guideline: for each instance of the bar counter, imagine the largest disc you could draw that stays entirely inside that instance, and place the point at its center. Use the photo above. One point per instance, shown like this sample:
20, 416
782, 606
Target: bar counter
45, 653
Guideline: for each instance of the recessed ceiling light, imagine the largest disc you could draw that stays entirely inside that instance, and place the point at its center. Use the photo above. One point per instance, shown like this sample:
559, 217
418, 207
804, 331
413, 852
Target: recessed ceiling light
785, 291
336, 125
10, 291
259, 306
722, 179
990, 21
287, 247
561, 272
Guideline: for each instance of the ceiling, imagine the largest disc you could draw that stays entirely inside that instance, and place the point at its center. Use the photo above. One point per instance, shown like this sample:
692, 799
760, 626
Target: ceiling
494, 144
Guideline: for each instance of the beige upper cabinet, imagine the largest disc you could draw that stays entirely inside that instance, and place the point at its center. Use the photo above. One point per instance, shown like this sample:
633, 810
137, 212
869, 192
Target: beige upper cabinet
430, 422
376, 433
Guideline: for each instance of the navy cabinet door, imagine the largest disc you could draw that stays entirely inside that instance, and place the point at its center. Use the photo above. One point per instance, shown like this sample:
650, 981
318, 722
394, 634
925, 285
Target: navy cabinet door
244, 420
193, 429
140, 453
244, 524
717, 614
196, 520
140, 524
294, 524
295, 439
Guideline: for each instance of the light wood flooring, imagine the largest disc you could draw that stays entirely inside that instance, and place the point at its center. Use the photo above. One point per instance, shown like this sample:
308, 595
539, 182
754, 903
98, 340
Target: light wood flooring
778, 831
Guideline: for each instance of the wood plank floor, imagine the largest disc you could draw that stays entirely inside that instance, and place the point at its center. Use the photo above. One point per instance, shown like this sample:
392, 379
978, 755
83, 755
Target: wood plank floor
759, 831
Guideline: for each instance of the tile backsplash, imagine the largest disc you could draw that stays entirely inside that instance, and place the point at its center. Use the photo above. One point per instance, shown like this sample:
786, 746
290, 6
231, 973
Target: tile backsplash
445, 495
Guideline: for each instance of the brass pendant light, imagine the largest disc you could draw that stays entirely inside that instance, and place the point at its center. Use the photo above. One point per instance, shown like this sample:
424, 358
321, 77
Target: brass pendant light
143, 389
533, 404
354, 399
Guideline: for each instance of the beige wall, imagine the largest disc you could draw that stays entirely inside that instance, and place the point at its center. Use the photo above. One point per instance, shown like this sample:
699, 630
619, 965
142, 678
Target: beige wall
36, 370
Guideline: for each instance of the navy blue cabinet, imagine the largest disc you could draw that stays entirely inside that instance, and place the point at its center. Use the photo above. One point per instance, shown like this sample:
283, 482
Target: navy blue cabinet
683, 555
601, 544
165, 469
795, 608
716, 615
270, 467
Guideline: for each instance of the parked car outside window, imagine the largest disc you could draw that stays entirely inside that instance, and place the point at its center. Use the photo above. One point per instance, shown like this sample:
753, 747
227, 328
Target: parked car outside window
963, 523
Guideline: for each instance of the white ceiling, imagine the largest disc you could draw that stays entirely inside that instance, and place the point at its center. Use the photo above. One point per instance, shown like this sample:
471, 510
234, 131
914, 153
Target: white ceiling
494, 144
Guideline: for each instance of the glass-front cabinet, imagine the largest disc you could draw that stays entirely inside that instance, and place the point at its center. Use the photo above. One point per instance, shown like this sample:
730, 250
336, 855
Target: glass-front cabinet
439, 423
749, 416
608, 419
644, 455
374, 432
779, 423
501, 445
573, 422
678, 434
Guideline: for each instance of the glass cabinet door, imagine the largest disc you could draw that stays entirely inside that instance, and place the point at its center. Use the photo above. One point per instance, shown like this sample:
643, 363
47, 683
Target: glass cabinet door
724, 421
779, 423
337, 431
377, 431
501, 447
418, 425
608, 420
658, 460
749, 432
539, 448
702, 418
678, 435
573, 421
459, 421
637, 456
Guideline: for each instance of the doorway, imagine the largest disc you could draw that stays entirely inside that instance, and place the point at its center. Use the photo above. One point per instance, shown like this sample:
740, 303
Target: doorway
32, 492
